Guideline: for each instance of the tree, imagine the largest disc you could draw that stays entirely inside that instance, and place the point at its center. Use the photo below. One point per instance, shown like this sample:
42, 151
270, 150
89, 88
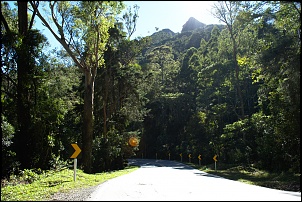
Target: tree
278, 76
130, 20
119, 99
83, 32
163, 67
24, 43
226, 11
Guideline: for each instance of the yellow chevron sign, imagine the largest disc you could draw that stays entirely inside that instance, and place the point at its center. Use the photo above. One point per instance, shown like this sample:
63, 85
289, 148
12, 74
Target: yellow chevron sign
214, 158
77, 151
199, 157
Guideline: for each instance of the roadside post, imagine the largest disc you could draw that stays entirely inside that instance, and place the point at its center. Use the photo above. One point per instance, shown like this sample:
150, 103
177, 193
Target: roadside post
169, 156
215, 160
74, 156
180, 157
189, 158
75, 162
156, 156
199, 159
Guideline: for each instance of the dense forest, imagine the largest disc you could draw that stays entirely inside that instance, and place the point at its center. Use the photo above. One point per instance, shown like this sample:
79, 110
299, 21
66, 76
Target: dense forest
231, 90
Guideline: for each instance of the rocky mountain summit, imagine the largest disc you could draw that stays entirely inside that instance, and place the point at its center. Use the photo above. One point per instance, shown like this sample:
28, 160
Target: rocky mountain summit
192, 24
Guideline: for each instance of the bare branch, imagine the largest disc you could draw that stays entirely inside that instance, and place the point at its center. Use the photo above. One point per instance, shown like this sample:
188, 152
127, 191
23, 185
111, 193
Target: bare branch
33, 16
61, 40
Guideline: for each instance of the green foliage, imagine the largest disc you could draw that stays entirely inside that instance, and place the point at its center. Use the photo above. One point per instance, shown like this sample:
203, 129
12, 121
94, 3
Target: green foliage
277, 93
7, 132
264, 83
120, 100
9, 162
57, 163
29, 175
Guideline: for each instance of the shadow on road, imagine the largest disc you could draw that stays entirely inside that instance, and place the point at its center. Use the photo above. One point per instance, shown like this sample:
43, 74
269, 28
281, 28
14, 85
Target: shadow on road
145, 163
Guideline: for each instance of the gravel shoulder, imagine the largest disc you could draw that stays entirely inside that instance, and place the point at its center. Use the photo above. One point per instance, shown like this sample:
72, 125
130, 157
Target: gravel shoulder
79, 194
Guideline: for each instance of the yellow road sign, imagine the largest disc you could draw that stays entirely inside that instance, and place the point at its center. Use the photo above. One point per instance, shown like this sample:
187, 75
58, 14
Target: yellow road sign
215, 158
180, 154
189, 155
133, 141
199, 157
77, 151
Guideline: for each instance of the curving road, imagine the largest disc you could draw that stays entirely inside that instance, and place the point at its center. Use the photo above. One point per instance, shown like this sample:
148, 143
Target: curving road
163, 180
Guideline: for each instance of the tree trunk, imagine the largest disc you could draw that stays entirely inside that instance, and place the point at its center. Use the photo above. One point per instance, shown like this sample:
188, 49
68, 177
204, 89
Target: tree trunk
237, 77
23, 139
224, 9
87, 136
105, 101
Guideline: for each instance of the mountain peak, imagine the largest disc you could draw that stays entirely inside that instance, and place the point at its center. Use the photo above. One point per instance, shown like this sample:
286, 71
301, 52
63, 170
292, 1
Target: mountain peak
192, 24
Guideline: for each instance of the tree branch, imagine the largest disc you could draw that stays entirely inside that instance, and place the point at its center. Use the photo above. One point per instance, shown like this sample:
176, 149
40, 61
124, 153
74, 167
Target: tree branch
62, 41
33, 16
5, 23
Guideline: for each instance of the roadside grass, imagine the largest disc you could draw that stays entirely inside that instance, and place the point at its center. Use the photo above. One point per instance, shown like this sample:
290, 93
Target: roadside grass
40, 187
286, 181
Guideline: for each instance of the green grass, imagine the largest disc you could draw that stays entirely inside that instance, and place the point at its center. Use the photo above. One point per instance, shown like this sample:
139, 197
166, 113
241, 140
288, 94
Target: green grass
50, 182
283, 181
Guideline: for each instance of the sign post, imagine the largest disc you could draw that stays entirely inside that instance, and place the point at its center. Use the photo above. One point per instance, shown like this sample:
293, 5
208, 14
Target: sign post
189, 158
169, 156
74, 169
215, 160
199, 159
74, 156
180, 157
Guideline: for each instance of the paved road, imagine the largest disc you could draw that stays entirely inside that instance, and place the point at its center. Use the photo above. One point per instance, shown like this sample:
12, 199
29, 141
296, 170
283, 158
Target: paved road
162, 180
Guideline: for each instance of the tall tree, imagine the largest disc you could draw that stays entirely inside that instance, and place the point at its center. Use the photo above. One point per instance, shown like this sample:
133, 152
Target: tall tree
130, 19
21, 48
83, 32
227, 11
9, 29
119, 96
24, 71
278, 74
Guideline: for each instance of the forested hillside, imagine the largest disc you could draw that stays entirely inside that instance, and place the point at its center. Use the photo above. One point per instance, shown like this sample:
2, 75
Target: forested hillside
230, 90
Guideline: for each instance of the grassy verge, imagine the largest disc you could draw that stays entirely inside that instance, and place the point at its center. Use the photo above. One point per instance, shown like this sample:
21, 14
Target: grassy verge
47, 183
282, 181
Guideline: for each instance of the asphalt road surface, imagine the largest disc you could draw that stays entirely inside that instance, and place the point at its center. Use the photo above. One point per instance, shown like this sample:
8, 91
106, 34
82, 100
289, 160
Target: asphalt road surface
163, 180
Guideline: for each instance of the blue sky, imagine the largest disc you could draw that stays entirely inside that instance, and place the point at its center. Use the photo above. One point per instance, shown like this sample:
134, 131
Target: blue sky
170, 14
161, 14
